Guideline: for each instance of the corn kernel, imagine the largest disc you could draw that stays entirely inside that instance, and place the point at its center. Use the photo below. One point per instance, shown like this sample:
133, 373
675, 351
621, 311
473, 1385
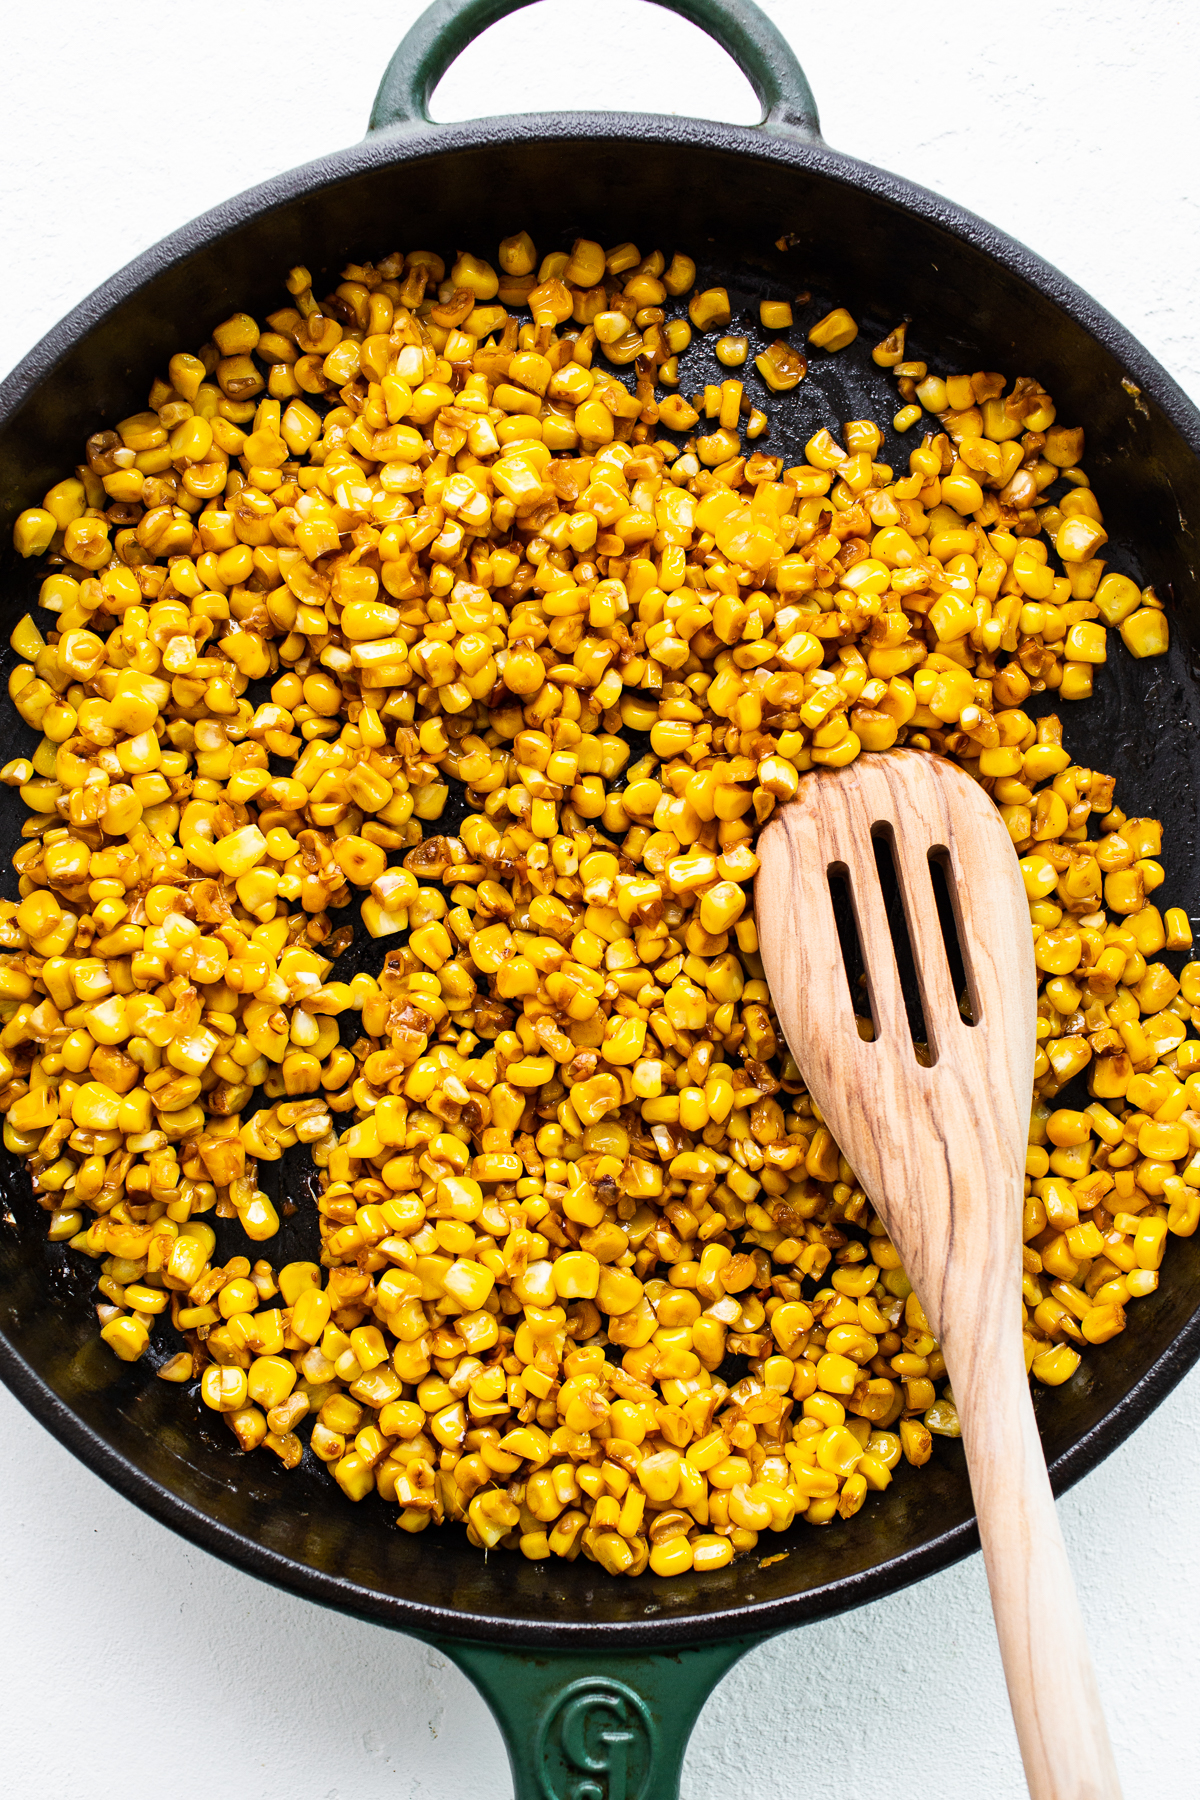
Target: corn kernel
835, 331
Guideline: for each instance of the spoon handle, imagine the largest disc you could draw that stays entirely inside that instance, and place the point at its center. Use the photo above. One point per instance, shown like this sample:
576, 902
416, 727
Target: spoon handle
1047, 1664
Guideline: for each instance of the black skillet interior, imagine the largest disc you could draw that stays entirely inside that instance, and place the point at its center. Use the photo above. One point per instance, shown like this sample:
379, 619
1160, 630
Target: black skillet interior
730, 197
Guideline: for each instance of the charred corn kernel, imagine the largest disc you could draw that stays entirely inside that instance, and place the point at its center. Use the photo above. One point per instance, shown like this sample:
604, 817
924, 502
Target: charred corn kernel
178, 1368
709, 309
915, 1441
890, 350
781, 366
517, 255
478, 276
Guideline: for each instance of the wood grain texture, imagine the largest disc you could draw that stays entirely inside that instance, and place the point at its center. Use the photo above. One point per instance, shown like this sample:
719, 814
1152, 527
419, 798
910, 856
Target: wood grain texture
941, 1153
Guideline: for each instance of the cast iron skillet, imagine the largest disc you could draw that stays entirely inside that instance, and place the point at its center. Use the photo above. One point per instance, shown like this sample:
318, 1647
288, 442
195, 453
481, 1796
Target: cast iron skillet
596, 1682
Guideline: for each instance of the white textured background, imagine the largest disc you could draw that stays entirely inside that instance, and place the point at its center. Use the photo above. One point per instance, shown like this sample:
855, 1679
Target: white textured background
130, 1660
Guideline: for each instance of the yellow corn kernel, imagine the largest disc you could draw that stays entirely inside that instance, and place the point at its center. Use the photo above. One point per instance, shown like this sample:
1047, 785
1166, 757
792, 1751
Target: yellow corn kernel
1057, 1364
672, 1556
915, 1441
269, 1380
310, 1314
1146, 632
709, 1552
709, 309
890, 350
835, 331
126, 1336
34, 532
781, 366
836, 1375
224, 1389
1079, 538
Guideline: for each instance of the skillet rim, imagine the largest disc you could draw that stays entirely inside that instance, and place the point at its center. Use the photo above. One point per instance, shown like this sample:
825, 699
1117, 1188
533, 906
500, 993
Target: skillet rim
774, 144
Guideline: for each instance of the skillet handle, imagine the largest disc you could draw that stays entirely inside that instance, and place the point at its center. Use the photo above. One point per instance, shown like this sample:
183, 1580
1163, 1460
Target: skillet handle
605, 1725
444, 30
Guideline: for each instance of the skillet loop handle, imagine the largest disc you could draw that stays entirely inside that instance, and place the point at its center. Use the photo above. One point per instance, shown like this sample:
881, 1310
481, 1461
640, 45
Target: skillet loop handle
444, 30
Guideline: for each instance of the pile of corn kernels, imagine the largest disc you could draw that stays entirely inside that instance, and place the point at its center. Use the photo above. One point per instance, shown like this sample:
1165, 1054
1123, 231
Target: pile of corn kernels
594, 1277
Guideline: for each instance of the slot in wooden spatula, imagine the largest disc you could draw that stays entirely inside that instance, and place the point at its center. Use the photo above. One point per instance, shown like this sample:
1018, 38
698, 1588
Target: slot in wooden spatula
940, 1150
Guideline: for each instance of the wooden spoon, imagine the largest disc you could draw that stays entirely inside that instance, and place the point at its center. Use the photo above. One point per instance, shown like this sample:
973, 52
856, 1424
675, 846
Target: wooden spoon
940, 1150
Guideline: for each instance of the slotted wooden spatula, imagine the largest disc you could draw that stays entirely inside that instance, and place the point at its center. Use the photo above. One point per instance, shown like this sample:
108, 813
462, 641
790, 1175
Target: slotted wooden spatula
940, 1150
